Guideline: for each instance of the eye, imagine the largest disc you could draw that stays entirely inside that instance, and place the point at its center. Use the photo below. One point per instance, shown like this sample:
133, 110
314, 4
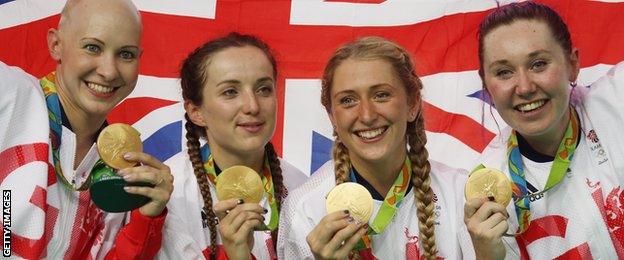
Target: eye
382, 96
265, 90
230, 93
347, 101
92, 48
504, 73
539, 65
127, 55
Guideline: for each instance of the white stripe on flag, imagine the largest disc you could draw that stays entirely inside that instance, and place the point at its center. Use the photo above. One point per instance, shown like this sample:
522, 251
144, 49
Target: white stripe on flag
25, 11
387, 13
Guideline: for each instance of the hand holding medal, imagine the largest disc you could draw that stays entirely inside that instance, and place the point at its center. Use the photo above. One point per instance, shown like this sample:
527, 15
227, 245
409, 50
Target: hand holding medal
487, 191
239, 190
349, 207
118, 184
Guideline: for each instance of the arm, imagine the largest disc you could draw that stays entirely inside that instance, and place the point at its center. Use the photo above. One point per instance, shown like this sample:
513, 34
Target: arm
140, 238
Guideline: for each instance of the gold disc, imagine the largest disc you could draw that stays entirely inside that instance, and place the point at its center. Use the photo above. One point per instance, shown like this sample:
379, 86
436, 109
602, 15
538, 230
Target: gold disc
489, 182
353, 197
240, 182
114, 141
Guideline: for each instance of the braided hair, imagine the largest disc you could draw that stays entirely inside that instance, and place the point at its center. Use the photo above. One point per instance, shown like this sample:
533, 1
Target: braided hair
376, 48
192, 79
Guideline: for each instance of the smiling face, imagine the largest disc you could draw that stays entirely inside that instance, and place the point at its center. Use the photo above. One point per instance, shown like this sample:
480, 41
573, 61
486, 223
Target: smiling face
239, 102
528, 75
97, 51
370, 110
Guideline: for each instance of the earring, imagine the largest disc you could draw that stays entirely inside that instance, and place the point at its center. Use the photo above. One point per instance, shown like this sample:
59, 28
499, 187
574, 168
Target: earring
573, 84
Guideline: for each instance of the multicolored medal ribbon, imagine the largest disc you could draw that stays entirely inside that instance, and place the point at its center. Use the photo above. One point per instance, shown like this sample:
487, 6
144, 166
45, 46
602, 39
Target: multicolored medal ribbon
557, 171
267, 181
390, 205
55, 120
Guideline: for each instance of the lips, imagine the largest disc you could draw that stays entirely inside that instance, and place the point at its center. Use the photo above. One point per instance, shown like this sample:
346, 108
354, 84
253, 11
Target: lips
370, 134
252, 127
528, 107
101, 90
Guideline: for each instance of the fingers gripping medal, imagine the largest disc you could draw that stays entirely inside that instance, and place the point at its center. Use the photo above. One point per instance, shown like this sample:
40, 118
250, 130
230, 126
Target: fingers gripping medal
353, 197
107, 187
240, 182
486, 182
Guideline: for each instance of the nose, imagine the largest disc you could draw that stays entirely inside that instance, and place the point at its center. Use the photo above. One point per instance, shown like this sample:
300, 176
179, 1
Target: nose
367, 112
525, 87
250, 103
107, 68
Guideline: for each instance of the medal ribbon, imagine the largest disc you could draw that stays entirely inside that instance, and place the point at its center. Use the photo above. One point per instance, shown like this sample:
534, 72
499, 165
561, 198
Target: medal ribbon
267, 181
557, 171
390, 205
55, 120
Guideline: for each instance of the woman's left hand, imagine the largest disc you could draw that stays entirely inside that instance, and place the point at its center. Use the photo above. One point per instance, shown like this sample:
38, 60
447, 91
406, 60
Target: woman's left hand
151, 171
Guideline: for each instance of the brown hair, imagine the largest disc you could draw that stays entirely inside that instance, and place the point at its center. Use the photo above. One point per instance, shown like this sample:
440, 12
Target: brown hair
192, 79
375, 48
507, 14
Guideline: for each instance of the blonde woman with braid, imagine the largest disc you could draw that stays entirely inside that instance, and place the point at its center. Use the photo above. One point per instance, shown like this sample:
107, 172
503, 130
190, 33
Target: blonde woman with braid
373, 98
229, 87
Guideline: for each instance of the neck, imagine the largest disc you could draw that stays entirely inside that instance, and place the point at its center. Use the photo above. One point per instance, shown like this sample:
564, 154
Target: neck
380, 174
548, 143
226, 159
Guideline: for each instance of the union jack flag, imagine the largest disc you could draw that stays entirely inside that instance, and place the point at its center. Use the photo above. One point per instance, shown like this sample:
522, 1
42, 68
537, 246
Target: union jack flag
441, 35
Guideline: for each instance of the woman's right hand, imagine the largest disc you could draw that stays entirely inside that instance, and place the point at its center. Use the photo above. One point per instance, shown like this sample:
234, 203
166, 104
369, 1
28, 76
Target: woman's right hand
486, 222
237, 221
335, 236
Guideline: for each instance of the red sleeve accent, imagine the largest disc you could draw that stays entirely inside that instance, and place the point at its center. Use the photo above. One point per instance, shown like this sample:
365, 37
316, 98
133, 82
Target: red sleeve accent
140, 238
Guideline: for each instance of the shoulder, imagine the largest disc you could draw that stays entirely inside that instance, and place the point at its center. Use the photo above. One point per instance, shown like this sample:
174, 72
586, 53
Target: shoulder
293, 177
495, 153
447, 180
15, 80
314, 188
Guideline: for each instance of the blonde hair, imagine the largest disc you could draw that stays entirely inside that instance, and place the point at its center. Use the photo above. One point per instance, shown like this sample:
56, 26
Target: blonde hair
376, 48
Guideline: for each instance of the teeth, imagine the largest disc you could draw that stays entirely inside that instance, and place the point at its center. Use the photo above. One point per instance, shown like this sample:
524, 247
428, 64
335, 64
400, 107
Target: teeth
530, 106
371, 133
100, 88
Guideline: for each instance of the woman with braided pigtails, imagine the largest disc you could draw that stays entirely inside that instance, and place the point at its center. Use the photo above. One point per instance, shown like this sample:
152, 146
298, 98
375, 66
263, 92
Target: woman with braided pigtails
373, 98
228, 87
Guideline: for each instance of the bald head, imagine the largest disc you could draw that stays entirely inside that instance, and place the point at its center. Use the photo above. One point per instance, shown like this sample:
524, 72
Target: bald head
75, 11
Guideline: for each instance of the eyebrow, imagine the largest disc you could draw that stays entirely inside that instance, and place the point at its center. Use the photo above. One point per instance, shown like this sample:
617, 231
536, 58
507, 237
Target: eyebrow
531, 55
101, 42
374, 87
235, 81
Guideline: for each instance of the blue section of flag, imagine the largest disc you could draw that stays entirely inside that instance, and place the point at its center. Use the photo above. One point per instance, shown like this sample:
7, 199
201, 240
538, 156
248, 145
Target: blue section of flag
321, 151
165, 142
5, 1
483, 95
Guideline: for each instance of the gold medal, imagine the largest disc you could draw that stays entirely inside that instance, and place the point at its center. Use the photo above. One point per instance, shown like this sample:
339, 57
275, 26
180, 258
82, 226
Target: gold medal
240, 182
487, 182
114, 141
353, 197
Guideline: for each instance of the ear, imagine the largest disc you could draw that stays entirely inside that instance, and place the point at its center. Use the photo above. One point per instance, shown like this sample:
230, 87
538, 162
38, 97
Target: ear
332, 119
194, 113
54, 44
414, 107
575, 65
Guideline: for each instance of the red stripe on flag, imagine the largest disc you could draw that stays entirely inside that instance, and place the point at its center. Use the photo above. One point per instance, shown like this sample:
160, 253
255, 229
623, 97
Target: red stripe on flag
131, 110
20, 155
459, 126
